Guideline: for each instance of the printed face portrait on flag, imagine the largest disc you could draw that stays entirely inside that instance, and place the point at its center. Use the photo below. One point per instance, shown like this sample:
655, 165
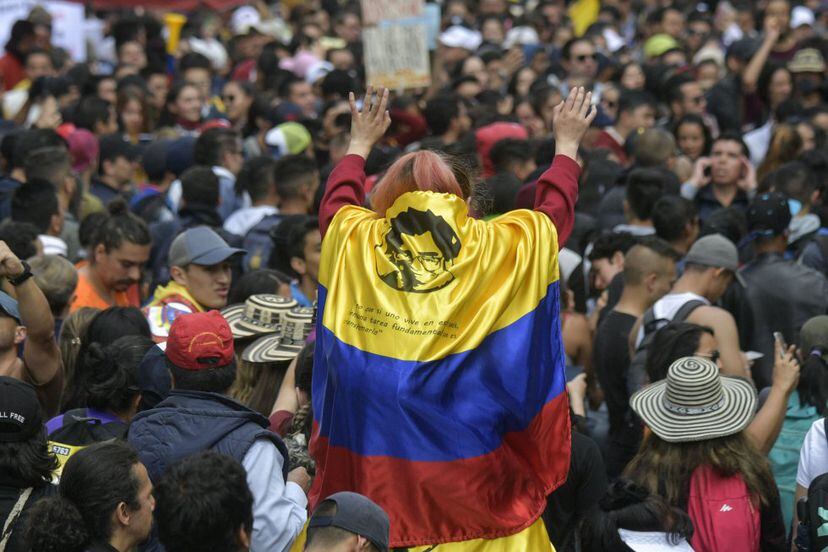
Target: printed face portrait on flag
418, 252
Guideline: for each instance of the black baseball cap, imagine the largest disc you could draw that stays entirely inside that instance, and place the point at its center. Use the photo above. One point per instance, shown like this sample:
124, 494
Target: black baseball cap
356, 514
744, 48
768, 215
20, 414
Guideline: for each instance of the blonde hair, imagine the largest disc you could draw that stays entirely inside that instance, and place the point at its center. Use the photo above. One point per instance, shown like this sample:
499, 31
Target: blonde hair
72, 334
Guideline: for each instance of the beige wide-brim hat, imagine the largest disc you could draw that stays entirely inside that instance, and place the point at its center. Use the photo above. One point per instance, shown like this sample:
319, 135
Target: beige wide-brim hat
285, 345
695, 403
260, 314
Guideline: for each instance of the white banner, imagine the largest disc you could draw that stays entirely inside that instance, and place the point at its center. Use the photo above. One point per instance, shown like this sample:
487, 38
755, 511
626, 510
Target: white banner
67, 23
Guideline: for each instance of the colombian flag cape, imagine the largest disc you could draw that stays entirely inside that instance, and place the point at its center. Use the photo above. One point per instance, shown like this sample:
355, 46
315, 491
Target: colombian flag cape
438, 380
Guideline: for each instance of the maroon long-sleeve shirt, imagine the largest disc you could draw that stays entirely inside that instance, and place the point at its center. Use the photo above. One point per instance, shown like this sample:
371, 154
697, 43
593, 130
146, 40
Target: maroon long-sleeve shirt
555, 195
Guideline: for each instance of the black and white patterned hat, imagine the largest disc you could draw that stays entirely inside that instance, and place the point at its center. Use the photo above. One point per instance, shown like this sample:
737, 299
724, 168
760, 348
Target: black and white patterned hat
285, 345
260, 314
695, 403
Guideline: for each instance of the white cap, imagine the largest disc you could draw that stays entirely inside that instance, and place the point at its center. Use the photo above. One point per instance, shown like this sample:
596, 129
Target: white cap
244, 19
318, 71
461, 37
800, 16
523, 36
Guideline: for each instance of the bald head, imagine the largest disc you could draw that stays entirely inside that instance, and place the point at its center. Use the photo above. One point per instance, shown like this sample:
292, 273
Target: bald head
650, 256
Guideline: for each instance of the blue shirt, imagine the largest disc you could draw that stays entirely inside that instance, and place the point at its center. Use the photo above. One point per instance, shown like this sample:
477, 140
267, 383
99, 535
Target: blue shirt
300, 297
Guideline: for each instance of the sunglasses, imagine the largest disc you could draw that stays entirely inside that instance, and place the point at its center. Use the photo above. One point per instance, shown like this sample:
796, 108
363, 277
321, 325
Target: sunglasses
582, 58
713, 356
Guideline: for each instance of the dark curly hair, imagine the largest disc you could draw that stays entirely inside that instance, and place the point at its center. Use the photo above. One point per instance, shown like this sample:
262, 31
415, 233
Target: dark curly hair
627, 505
29, 462
59, 527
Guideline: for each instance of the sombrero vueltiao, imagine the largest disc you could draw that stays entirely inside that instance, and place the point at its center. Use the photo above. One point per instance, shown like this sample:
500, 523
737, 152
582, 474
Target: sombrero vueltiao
285, 345
260, 314
695, 403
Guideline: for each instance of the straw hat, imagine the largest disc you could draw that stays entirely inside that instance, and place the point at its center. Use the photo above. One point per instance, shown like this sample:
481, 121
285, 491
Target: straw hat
296, 326
260, 314
695, 403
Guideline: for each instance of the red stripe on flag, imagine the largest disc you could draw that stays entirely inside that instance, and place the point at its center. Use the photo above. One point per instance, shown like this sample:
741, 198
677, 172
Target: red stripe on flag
490, 496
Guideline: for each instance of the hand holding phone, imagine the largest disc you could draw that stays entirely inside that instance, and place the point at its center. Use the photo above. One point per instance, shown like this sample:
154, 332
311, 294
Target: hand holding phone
780, 341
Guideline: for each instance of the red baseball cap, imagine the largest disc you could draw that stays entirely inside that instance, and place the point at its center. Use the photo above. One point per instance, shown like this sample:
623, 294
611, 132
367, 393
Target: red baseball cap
200, 341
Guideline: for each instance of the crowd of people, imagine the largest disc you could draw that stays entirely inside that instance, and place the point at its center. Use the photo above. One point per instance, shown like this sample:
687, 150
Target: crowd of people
571, 296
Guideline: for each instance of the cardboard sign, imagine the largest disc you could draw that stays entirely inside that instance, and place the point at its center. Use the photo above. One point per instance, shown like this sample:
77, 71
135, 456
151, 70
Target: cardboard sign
375, 11
396, 56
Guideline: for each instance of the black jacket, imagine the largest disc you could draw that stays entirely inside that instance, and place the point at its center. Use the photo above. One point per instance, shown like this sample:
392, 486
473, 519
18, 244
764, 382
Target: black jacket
783, 296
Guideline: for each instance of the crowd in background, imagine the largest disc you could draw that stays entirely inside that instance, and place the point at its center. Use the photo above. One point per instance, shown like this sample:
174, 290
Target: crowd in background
170, 187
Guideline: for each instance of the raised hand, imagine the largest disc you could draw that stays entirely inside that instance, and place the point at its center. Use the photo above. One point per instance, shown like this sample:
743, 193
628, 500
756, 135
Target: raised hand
10, 265
572, 118
370, 124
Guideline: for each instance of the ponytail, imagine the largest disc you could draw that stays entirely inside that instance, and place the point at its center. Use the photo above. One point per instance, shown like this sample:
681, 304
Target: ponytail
813, 381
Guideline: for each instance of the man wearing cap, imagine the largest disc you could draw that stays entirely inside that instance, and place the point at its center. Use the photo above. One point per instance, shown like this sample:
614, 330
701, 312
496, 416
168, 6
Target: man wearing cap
808, 69
40, 364
346, 522
200, 272
116, 169
710, 266
27, 461
783, 294
198, 415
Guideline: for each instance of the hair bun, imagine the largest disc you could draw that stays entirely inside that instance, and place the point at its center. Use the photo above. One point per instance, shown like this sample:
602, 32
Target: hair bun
118, 207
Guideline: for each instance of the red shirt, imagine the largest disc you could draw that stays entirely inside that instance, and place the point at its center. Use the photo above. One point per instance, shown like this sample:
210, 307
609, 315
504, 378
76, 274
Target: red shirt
555, 195
11, 71
606, 140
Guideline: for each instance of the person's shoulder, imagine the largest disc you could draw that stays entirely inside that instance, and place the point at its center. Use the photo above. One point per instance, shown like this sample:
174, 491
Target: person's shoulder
710, 314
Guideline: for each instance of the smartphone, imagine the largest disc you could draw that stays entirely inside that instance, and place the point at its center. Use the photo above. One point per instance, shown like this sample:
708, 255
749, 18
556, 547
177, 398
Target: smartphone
708, 171
777, 336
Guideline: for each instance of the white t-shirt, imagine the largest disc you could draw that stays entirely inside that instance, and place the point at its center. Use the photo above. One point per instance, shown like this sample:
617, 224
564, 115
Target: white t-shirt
813, 458
667, 307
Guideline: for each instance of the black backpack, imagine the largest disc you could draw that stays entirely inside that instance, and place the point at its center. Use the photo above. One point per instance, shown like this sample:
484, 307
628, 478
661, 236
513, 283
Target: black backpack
637, 373
812, 512
80, 430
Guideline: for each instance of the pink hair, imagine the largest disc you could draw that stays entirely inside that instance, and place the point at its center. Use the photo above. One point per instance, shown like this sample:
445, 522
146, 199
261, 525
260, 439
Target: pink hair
421, 170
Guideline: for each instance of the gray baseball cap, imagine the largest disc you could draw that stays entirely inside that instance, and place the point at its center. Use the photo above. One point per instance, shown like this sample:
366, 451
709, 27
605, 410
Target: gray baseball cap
716, 251
201, 246
356, 514
8, 306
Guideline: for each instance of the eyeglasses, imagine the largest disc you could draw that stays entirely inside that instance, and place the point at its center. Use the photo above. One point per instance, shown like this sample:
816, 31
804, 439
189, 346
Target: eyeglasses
583, 57
713, 356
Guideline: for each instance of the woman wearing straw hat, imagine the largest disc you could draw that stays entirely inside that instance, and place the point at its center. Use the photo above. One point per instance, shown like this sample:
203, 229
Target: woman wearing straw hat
696, 420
